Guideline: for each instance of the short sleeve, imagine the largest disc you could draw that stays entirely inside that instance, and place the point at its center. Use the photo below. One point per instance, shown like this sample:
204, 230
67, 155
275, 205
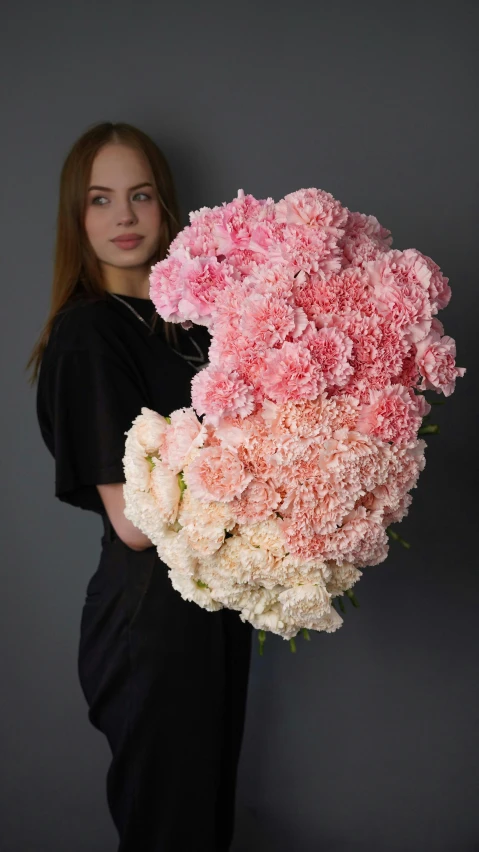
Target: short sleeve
93, 403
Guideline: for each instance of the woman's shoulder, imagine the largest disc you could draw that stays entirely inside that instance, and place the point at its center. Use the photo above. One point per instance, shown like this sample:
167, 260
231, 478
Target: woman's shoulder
85, 324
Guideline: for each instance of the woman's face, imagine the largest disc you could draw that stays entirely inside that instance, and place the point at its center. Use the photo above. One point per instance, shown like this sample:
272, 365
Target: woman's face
122, 201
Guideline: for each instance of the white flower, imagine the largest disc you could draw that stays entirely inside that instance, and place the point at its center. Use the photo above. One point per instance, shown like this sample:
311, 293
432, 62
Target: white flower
150, 427
190, 590
204, 524
174, 550
267, 535
301, 603
135, 463
343, 577
142, 511
166, 491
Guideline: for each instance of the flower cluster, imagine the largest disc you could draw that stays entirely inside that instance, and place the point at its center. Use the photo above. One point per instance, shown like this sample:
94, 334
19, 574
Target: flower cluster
324, 339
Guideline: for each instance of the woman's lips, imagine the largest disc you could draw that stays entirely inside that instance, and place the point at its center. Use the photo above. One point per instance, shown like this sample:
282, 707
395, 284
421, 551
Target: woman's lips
128, 244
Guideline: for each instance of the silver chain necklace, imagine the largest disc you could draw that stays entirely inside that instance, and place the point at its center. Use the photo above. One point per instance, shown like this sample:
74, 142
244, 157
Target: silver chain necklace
189, 358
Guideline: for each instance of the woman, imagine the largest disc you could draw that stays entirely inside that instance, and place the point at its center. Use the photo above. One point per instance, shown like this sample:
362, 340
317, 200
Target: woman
165, 680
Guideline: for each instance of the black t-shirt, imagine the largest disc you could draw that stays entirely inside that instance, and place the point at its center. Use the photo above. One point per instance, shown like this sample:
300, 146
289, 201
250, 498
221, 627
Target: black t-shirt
100, 366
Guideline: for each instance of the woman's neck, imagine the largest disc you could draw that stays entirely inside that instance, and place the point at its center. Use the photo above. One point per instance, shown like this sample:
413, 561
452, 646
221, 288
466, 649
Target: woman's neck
127, 282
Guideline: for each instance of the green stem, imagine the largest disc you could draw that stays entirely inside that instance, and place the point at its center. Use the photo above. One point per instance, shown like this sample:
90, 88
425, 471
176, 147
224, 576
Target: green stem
306, 633
292, 645
261, 639
396, 537
352, 597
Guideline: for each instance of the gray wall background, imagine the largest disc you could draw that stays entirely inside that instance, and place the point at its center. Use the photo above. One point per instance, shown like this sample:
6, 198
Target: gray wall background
366, 740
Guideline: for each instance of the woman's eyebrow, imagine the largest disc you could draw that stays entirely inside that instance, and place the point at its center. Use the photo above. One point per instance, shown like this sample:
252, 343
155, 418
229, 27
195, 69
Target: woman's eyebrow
107, 189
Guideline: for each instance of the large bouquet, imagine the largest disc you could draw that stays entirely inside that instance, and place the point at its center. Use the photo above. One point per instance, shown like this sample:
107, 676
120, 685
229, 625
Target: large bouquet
324, 340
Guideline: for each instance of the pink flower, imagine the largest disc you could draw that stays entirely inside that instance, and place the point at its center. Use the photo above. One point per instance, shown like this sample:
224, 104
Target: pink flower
364, 240
339, 293
268, 320
436, 360
217, 392
216, 473
289, 374
393, 414
166, 284
400, 294
257, 502
203, 279
182, 434
439, 289
313, 207
332, 349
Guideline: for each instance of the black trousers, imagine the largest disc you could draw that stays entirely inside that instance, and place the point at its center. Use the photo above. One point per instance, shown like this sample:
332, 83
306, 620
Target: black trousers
166, 682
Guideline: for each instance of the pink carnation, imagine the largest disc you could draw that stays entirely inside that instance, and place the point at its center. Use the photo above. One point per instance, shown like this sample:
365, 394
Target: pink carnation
289, 373
364, 240
216, 474
313, 207
438, 289
393, 414
436, 360
166, 285
268, 320
257, 502
181, 435
339, 293
400, 294
331, 349
203, 278
217, 392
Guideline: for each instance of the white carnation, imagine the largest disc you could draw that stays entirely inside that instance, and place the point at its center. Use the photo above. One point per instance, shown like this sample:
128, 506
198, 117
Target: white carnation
142, 511
135, 464
173, 549
166, 491
150, 428
191, 591
343, 577
301, 603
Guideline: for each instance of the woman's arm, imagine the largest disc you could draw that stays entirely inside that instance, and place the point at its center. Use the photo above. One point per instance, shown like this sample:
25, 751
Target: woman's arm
114, 502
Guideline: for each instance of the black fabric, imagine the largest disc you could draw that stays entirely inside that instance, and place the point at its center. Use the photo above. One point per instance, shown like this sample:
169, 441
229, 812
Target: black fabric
165, 680
101, 365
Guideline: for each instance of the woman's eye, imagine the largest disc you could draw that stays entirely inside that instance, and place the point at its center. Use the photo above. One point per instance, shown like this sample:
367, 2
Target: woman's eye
99, 197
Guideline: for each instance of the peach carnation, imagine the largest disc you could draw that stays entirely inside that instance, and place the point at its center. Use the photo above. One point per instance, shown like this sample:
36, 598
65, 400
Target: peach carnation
216, 474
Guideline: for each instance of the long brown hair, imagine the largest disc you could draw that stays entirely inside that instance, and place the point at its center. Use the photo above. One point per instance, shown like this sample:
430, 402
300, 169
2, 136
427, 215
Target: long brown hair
76, 267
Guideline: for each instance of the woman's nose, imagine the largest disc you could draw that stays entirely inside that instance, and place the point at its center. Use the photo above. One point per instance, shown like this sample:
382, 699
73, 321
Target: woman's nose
127, 214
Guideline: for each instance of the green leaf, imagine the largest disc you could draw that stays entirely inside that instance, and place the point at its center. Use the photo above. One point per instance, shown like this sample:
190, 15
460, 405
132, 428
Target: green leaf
181, 482
201, 585
429, 429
